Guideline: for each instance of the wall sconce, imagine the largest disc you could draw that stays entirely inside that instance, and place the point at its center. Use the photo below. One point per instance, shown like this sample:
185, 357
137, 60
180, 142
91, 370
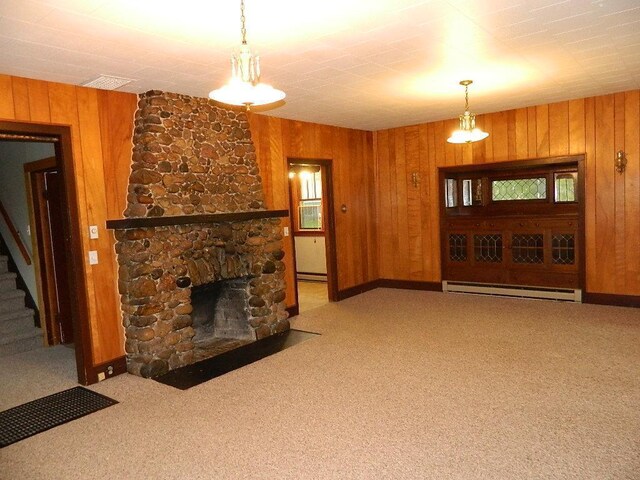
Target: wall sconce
621, 161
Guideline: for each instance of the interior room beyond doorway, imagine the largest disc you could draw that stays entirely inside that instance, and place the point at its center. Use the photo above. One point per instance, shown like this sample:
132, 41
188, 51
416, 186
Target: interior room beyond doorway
309, 228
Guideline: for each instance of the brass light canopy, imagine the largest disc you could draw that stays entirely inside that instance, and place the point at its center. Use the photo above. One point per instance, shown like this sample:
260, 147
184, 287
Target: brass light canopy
244, 88
468, 132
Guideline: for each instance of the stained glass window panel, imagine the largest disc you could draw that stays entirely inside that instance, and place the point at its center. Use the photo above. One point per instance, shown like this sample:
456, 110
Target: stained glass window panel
519, 189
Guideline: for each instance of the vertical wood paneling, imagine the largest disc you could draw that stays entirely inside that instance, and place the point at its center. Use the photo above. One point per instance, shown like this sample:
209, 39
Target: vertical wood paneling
21, 98
414, 212
576, 127
116, 144
559, 129
542, 131
590, 202
532, 137
632, 192
351, 154
402, 219
7, 110
79, 108
596, 127
522, 136
95, 197
619, 194
500, 137
39, 101
605, 193
511, 134
385, 246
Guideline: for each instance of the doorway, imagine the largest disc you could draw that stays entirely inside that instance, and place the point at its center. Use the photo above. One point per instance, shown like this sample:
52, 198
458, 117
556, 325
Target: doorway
313, 232
55, 229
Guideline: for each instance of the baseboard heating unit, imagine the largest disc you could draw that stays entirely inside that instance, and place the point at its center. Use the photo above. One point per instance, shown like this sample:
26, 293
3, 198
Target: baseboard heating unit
566, 294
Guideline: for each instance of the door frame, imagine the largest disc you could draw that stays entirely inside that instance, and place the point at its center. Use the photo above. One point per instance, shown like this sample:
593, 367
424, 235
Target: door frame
330, 225
60, 136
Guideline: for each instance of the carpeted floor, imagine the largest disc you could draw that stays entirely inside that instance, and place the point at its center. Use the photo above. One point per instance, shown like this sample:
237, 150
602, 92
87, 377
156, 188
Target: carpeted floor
401, 385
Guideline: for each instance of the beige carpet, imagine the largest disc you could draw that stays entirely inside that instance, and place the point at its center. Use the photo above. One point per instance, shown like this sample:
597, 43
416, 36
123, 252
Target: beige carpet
401, 384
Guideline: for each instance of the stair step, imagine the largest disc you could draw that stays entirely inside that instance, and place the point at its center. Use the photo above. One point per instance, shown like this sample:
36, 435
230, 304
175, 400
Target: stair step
4, 264
24, 342
12, 323
11, 301
7, 281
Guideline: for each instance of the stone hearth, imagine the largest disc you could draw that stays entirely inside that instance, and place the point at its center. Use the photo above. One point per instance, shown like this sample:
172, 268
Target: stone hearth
192, 158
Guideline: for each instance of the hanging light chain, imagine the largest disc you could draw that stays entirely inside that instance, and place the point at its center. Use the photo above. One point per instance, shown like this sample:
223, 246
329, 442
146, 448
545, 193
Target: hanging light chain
243, 29
466, 97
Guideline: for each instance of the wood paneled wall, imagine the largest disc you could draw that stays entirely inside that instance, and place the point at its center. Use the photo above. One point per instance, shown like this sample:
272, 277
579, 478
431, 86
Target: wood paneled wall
351, 153
408, 216
101, 124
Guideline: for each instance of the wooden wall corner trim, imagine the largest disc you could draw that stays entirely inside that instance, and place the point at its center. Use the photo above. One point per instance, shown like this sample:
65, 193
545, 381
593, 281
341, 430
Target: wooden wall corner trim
357, 289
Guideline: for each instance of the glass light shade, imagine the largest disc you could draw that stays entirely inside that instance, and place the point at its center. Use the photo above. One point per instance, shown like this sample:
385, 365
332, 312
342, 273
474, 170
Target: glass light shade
238, 92
244, 88
468, 132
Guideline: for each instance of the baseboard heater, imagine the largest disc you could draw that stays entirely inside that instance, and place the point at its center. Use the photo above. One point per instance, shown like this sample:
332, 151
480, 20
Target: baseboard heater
314, 277
566, 294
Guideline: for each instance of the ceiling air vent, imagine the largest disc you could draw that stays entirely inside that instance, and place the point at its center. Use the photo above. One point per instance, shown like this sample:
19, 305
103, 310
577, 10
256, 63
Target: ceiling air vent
107, 82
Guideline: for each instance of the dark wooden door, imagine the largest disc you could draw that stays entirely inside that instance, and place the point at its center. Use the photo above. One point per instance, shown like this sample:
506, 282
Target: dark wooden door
52, 251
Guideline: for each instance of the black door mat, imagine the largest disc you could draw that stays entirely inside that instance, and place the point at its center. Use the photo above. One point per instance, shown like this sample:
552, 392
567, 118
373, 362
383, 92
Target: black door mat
40, 415
199, 372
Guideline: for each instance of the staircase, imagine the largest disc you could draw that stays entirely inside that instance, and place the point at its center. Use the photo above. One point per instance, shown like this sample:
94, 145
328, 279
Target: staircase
17, 333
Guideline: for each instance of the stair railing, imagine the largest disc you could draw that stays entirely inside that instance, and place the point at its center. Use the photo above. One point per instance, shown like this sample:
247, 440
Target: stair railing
16, 235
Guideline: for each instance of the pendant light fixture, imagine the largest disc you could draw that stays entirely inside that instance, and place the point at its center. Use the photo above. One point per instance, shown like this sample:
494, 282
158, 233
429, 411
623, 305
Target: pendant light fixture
467, 132
244, 87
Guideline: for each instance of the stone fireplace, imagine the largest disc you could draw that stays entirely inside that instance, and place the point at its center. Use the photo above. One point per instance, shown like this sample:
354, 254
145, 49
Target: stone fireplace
200, 259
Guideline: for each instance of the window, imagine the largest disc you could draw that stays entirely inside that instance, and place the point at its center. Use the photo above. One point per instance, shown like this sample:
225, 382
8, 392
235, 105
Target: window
519, 189
310, 185
565, 187
451, 192
310, 204
472, 192
310, 214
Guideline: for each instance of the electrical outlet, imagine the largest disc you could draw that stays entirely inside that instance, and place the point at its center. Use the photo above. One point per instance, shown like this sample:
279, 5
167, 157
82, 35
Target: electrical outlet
93, 232
93, 257
286, 231
101, 376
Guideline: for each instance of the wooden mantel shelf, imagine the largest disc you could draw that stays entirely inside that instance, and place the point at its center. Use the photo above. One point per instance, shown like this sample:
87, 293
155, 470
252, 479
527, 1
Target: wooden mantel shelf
147, 222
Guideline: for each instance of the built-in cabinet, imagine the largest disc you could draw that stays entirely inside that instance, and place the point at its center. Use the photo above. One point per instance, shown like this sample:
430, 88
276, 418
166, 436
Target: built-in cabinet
515, 223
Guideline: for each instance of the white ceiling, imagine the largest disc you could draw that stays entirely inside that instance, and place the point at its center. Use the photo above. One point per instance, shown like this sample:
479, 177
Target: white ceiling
368, 64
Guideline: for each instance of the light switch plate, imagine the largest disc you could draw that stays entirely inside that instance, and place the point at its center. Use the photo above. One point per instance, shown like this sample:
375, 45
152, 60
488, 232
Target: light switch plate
93, 232
286, 231
93, 257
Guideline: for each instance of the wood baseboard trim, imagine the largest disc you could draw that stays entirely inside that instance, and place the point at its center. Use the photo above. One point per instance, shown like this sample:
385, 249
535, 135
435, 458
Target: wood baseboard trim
612, 299
357, 290
293, 311
118, 366
410, 284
